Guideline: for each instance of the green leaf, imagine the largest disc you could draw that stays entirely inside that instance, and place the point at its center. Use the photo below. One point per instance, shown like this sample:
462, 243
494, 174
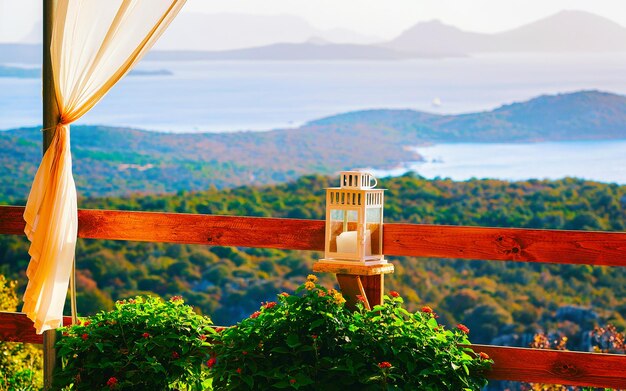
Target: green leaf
293, 341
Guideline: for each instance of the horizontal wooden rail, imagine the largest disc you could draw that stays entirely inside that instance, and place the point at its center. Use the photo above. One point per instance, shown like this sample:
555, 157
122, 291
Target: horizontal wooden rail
16, 327
518, 364
440, 241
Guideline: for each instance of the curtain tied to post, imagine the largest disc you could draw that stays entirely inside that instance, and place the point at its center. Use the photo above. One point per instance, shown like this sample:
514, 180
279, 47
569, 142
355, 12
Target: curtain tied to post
94, 44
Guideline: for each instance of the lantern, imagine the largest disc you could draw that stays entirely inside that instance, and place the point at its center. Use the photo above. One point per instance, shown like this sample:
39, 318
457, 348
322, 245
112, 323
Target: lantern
354, 220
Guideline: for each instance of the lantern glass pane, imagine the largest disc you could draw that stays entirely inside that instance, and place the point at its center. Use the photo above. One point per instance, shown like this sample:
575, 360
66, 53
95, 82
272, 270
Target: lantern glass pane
343, 221
373, 222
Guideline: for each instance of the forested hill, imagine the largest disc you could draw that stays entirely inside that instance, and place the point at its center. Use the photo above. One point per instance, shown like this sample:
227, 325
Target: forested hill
115, 161
505, 300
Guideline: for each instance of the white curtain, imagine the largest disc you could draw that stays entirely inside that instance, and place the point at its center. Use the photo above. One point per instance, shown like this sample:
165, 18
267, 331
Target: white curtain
94, 44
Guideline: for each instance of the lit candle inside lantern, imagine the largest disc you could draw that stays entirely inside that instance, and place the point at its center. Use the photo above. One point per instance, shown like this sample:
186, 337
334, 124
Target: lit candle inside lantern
347, 242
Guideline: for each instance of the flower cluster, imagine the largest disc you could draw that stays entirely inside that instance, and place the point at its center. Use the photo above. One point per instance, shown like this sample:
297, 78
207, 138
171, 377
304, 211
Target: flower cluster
310, 339
147, 343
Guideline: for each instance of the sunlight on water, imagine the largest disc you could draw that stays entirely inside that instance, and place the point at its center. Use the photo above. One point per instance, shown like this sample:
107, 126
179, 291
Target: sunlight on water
603, 161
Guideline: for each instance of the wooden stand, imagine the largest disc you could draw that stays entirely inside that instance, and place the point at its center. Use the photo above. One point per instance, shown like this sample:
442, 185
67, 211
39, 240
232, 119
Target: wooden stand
357, 279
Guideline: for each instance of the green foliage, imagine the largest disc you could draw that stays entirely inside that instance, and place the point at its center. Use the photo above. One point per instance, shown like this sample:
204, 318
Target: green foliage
311, 341
21, 364
144, 343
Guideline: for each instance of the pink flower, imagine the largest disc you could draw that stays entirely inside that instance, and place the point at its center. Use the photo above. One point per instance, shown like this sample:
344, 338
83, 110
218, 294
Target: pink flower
394, 294
255, 315
145, 335
384, 364
463, 328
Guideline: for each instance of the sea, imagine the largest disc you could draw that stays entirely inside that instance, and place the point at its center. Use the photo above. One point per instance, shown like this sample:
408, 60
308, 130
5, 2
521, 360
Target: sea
226, 96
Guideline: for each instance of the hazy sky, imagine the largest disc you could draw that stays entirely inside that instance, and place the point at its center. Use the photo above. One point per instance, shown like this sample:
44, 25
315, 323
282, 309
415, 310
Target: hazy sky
384, 18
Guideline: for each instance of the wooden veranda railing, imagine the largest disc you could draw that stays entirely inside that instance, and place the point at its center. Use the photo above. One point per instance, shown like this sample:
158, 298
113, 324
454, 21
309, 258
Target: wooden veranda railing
501, 244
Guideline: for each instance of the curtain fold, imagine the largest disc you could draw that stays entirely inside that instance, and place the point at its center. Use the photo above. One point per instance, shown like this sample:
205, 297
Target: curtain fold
94, 44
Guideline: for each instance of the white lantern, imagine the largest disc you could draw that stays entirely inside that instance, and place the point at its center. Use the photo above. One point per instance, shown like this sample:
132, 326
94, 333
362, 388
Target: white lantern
354, 220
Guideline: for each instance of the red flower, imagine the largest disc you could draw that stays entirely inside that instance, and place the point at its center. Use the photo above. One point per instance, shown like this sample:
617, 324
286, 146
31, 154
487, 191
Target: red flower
284, 294
483, 356
202, 337
292, 381
175, 355
384, 364
269, 305
211, 362
132, 301
255, 315
463, 328
112, 382
239, 371
394, 294
145, 335
66, 334
86, 323
314, 336
176, 298
245, 352
84, 336
360, 298
219, 329
426, 309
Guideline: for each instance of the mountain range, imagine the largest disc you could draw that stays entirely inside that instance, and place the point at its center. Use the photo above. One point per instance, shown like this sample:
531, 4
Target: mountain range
117, 161
247, 37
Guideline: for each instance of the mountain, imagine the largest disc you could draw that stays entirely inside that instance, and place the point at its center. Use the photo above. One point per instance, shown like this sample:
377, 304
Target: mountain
115, 161
314, 49
566, 31
229, 31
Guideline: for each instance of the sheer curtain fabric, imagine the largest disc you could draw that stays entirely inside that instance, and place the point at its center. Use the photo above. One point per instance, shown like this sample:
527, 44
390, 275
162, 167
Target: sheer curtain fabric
94, 44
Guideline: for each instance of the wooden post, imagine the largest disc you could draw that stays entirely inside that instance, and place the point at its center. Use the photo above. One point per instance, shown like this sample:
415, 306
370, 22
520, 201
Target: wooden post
50, 120
357, 279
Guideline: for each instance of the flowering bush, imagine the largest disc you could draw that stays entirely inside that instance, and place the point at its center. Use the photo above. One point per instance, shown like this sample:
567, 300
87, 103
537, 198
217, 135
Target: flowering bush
311, 341
144, 343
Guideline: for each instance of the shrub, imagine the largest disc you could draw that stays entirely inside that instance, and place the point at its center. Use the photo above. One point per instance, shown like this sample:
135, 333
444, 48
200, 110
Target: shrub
21, 365
142, 344
311, 341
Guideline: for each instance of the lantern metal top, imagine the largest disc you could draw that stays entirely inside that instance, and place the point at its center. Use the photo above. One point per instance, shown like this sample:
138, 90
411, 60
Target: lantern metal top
360, 180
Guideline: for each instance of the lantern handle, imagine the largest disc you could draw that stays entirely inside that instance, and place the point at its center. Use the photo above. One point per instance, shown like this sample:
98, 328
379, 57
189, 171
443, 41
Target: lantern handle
374, 178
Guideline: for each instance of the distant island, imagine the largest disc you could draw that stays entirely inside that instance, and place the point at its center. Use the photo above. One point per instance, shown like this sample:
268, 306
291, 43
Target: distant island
430, 39
118, 161
35, 73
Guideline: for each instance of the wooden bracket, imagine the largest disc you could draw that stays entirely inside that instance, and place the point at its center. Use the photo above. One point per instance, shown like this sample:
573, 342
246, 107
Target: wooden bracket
357, 279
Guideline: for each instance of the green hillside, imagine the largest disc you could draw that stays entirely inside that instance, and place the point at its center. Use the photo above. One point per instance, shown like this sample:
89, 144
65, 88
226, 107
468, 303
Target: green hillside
116, 161
495, 299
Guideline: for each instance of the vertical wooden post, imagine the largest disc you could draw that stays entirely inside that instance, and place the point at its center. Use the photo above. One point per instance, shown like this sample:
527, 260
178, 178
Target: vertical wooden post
50, 120
356, 278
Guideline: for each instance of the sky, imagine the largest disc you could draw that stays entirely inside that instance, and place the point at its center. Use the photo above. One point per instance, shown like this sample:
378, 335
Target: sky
383, 18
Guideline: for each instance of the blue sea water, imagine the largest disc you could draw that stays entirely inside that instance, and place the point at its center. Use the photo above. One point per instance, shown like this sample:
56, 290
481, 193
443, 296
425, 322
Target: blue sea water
603, 161
228, 96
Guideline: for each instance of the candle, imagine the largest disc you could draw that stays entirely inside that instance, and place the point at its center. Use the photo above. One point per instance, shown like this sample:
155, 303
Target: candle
347, 242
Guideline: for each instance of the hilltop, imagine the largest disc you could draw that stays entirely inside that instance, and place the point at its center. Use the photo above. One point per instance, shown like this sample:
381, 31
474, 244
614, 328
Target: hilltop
117, 161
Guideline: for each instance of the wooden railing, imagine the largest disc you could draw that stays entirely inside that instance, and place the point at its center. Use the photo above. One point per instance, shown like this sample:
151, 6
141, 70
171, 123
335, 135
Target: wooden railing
501, 244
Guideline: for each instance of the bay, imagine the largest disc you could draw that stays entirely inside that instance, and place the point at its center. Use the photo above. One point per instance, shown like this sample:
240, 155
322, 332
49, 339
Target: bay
229, 95
603, 161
